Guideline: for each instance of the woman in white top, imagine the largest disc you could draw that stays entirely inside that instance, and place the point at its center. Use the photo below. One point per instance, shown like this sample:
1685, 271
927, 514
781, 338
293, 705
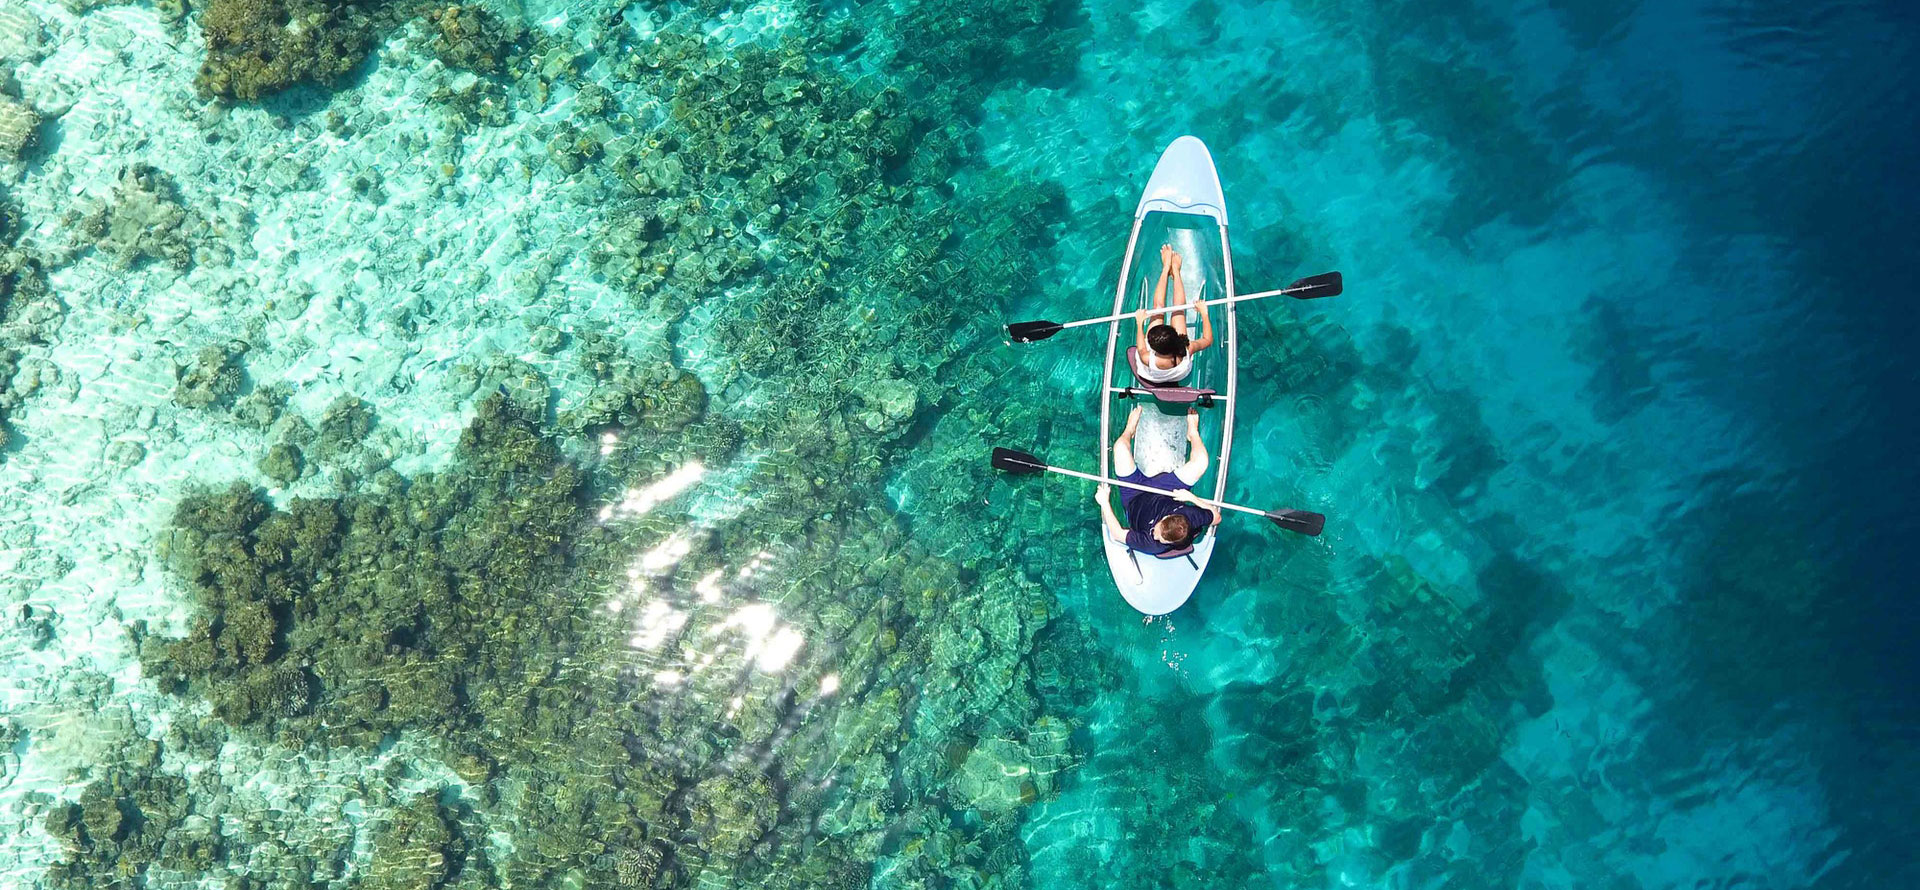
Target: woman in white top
1164, 354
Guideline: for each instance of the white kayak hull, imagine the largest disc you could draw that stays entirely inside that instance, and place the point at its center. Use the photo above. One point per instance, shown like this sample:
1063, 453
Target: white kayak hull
1157, 586
1184, 181
1182, 205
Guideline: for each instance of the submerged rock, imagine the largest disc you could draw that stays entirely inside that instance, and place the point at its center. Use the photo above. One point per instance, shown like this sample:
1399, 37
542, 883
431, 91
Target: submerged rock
22, 35
19, 124
418, 848
471, 37
214, 378
282, 463
143, 220
123, 823
259, 47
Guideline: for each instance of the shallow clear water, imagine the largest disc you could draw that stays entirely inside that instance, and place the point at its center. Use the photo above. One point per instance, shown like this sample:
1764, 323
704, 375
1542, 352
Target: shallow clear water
611, 424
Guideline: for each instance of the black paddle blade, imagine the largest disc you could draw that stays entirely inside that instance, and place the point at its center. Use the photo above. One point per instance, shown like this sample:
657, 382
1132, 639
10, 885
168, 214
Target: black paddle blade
1327, 284
1016, 461
1302, 521
1030, 331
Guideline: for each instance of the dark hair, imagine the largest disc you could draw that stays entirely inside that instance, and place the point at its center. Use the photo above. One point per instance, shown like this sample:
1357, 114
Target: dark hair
1167, 341
1177, 527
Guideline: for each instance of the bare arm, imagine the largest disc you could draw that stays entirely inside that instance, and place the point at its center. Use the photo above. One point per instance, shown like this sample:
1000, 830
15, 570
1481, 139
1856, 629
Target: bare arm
1140, 318
1114, 529
1206, 332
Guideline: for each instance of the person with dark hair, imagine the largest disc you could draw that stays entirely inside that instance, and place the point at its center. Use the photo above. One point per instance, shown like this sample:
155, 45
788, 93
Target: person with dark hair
1157, 523
1165, 354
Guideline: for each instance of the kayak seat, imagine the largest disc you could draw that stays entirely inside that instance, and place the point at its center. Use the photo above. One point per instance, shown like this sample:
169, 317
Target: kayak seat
1182, 396
1186, 551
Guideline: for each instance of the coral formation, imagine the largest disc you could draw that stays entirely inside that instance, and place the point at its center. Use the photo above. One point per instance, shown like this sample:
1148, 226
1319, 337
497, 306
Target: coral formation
282, 463
342, 427
22, 35
19, 124
214, 378
259, 408
455, 559
419, 848
259, 47
12, 225
171, 12
124, 822
9, 365
471, 37
143, 220
30, 314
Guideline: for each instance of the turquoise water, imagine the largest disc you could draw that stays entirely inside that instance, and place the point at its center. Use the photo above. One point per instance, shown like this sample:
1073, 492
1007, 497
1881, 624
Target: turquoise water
544, 445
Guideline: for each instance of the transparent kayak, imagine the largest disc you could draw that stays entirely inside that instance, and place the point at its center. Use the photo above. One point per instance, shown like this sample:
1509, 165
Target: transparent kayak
1183, 206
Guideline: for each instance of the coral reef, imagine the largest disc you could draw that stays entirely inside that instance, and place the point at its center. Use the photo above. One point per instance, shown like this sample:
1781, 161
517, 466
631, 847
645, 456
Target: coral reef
470, 37
19, 125
943, 47
456, 558
22, 35
124, 822
143, 220
282, 463
259, 47
214, 378
455, 605
419, 848
630, 693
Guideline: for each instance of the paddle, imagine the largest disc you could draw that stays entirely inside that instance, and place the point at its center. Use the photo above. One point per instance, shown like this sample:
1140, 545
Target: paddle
1313, 287
1022, 463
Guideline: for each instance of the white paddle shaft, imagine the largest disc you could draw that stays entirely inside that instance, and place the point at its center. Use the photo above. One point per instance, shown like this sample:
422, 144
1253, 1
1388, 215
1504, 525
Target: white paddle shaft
1194, 305
1149, 489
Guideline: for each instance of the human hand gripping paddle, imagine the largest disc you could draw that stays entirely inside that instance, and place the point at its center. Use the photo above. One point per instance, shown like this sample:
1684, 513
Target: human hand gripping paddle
1327, 284
1024, 464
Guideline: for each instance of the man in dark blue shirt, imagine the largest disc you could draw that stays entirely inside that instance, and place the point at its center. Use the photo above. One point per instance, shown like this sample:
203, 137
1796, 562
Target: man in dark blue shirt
1158, 523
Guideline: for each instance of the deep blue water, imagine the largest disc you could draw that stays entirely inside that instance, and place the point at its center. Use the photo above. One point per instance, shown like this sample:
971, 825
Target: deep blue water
1623, 377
